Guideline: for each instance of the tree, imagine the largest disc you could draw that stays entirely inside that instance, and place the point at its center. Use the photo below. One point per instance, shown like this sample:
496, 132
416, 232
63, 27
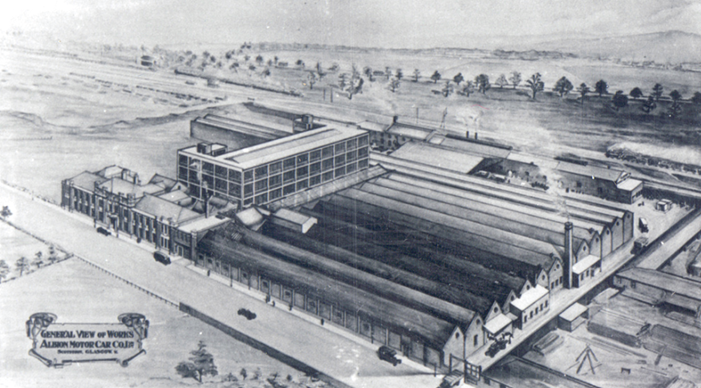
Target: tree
657, 91
5, 212
388, 73
393, 84
619, 100
482, 83
636, 93
583, 90
201, 364
696, 99
501, 81
468, 89
266, 72
22, 265
243, 373
563, 86
436, 77
447, 89
275, 60
38, 259
417, 75
300, 63
320, 71
535, 84
399, 74
675, 95
458, 78
312, 78
515, 78
675, 109
352, 83
52, 254
246, 57
368, 73
601, 87
4, 270
649, 105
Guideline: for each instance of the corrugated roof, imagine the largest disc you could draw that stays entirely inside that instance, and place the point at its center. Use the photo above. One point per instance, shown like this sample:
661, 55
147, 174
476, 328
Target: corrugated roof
424, 153
408, 321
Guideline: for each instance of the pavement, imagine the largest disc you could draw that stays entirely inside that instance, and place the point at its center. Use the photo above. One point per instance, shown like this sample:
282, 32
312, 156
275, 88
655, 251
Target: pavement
670, 242
350, 360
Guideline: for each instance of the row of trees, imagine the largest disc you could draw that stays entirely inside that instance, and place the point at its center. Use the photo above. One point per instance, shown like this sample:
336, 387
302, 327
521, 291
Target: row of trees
23, 264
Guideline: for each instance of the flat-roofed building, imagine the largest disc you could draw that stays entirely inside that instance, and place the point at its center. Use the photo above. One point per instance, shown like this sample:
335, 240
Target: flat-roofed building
530, 305
276, 169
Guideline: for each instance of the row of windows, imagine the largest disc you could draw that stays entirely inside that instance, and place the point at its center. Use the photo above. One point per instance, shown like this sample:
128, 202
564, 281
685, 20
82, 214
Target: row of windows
535, 311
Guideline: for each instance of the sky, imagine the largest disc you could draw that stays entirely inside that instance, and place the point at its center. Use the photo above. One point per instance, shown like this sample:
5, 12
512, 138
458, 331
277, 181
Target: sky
369, 23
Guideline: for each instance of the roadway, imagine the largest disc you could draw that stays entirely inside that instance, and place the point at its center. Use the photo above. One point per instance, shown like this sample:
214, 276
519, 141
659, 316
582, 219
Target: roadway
665, 246
350, 360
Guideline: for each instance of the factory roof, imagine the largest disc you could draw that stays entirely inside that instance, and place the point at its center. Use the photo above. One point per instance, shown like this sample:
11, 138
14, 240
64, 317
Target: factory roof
281, 148
118, 185
629, 184
86, 180
584, 264
160, 208
497, 324
475, 148
411, 131
573, 312
409, 321
202, 224
424, 153
664, 281
609, 174
529, 297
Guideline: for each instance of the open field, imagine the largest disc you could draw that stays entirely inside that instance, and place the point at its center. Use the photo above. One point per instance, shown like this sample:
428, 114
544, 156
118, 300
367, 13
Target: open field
65, 289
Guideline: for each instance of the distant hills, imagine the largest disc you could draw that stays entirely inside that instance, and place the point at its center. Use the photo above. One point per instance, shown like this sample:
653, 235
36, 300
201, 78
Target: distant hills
662, 47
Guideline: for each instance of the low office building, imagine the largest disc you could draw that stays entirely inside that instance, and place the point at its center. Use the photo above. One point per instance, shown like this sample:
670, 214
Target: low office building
273, 170
156, 212
530, 305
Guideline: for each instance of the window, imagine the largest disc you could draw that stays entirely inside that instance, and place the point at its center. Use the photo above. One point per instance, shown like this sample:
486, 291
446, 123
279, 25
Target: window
525, 319
340, 172
457, 335
220, 185
261, 185
351, 144
362, 152
531, 315
326, 152
248, 190
289, 164
288, 176
475, 340
340, 160
315, 168
275, 167
261, 172
288, 189
327, 165
362, 141
261, 199
275, 181
302, 172
546, 304
220, 171
275, 194
248, 176
339, 148
234, 190
182, 160
351, 156
362, 163
208, 167
302, 159
315, 180
314, 155
301, 185
351, 167
182, 173
327, 176
235, 175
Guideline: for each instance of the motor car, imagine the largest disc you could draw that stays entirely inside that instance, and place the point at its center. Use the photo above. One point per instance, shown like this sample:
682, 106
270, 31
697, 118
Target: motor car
104, 231
388, 354
493, 350
247, 313
161, 258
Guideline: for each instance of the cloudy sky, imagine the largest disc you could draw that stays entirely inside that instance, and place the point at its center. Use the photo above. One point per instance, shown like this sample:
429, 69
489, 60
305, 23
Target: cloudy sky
377, 23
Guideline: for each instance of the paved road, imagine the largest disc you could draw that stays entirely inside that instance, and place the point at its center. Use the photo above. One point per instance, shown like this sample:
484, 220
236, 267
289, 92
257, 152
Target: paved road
350, 361
664, 247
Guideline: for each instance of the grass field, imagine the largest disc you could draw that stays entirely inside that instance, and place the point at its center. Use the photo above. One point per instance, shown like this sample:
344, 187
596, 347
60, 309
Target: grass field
65, 289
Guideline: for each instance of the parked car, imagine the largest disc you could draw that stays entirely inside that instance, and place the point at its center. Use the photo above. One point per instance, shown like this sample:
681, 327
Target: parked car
247, 313
161, 258
388, 354
104, 231
494, 348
